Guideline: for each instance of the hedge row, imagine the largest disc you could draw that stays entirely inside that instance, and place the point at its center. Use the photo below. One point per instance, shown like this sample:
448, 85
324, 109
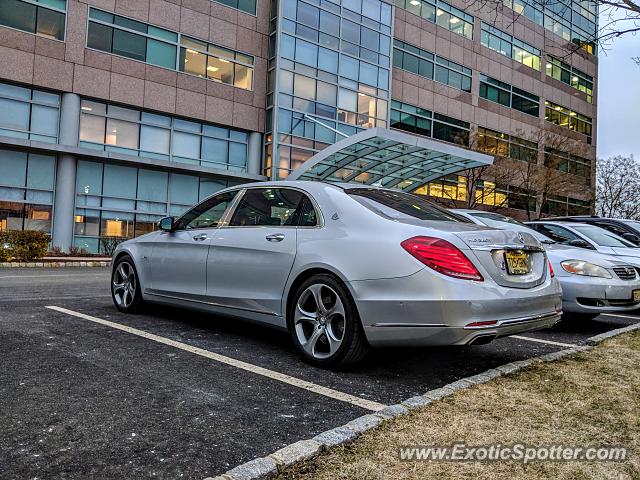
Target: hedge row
23, 245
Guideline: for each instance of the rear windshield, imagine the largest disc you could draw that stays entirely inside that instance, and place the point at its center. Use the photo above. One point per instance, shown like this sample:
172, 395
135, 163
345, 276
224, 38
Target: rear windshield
402, 205
503, 222
603, 237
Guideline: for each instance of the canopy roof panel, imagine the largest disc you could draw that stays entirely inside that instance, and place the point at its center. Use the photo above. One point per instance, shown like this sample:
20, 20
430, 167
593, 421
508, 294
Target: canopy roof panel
388, 158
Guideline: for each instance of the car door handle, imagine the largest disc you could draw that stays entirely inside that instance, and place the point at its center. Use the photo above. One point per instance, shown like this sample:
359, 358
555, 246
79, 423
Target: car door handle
200, 237
275, 237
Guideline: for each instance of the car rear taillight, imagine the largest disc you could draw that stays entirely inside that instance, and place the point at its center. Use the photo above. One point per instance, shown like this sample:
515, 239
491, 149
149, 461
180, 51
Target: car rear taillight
442, 256
551, 272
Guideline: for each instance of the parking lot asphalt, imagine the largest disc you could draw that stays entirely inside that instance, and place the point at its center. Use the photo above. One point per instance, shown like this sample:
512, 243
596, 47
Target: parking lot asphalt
132, 397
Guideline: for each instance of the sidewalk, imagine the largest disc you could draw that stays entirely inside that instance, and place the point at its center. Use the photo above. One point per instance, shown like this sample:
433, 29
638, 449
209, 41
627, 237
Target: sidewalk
60, 262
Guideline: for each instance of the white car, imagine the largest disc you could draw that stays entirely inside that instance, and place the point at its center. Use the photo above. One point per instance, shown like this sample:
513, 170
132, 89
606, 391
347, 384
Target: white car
592, 282
590, 236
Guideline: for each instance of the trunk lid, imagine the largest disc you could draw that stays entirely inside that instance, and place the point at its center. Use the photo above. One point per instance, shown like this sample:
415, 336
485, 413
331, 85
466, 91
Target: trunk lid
488, 247
513, 259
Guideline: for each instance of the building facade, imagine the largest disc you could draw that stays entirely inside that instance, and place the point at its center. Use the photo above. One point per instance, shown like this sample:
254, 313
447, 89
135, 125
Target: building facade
115, 113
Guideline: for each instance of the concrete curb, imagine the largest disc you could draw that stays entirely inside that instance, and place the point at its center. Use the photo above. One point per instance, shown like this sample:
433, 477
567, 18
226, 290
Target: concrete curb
613, 333
268, 467
54, 264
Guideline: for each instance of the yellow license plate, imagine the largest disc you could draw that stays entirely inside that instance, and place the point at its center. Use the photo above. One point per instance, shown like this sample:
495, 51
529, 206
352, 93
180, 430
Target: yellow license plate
636, 295
517, 262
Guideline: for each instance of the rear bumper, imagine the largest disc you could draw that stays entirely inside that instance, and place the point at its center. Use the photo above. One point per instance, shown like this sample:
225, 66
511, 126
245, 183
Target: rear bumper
597, 295
410, 335
425, 309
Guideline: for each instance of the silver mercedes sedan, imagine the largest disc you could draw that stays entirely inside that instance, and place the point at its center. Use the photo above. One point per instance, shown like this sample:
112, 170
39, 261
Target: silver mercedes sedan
343, 268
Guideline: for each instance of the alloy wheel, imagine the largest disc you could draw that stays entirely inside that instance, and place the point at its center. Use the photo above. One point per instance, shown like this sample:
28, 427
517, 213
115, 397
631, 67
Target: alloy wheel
124, 284
319, 321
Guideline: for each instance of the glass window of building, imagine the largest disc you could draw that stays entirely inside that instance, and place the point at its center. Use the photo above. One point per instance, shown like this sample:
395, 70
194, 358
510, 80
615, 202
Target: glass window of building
428, 65
119, 202
557, 205
504, 145
488, 193
569, 75
441, 13
42, 17
450, 187
29, 114
26, 190
509, 46
129, 38
247, 6
572, 20
216, 63
429, 124
145, 134
567, 162
505, 196
332, 73
567, 118
509, 96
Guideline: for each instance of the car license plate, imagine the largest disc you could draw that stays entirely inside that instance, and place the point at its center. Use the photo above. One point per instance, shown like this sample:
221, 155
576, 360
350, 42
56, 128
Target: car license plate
636, 295
517, 262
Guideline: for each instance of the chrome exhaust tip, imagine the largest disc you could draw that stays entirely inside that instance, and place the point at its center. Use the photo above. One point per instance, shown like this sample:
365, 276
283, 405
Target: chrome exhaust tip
482, 339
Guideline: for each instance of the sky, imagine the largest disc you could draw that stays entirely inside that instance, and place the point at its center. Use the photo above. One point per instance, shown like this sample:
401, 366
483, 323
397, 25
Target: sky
618, 127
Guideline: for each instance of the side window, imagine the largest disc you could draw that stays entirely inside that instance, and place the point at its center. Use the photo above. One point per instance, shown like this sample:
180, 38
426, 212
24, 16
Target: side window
306, 215
270, 206
612, 228
207, 214
558, 233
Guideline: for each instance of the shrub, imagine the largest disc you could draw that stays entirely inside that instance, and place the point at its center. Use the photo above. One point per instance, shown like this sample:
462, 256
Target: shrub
23, 245
5, 249
75, 251
109, 244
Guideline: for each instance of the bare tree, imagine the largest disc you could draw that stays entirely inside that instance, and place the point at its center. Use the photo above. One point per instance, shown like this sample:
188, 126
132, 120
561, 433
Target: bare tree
618, 188
527, 179
618, 18
556, 178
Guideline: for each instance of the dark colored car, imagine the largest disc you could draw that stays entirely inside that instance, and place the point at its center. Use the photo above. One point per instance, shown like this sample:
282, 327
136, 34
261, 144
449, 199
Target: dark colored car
627, 229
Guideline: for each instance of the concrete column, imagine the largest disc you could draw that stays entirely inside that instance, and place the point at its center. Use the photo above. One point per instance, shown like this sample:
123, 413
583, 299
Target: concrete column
254, 157
65, 193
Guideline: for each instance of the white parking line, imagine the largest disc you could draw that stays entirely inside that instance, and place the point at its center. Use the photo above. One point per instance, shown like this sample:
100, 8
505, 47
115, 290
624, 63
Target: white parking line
59, 297
538, 340
281, 377
621, 316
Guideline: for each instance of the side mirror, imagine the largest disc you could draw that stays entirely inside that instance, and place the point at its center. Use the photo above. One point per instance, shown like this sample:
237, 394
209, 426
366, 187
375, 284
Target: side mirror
579, 243
631, 237
166, 224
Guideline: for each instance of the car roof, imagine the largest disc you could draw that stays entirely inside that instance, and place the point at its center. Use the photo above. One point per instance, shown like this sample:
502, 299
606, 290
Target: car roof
465, 210
309, 185
577, 217
555, 222
587, 219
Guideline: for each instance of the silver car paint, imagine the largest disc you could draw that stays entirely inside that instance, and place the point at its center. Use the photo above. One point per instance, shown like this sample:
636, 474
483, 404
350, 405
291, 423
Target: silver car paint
400, 300
628, 253
580, 286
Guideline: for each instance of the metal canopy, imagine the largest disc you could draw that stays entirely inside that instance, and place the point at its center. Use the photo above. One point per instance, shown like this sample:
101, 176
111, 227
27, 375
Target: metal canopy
388, 158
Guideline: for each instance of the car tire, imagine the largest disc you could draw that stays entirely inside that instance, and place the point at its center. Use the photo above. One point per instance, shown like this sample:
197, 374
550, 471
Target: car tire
329, 335
126, 290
